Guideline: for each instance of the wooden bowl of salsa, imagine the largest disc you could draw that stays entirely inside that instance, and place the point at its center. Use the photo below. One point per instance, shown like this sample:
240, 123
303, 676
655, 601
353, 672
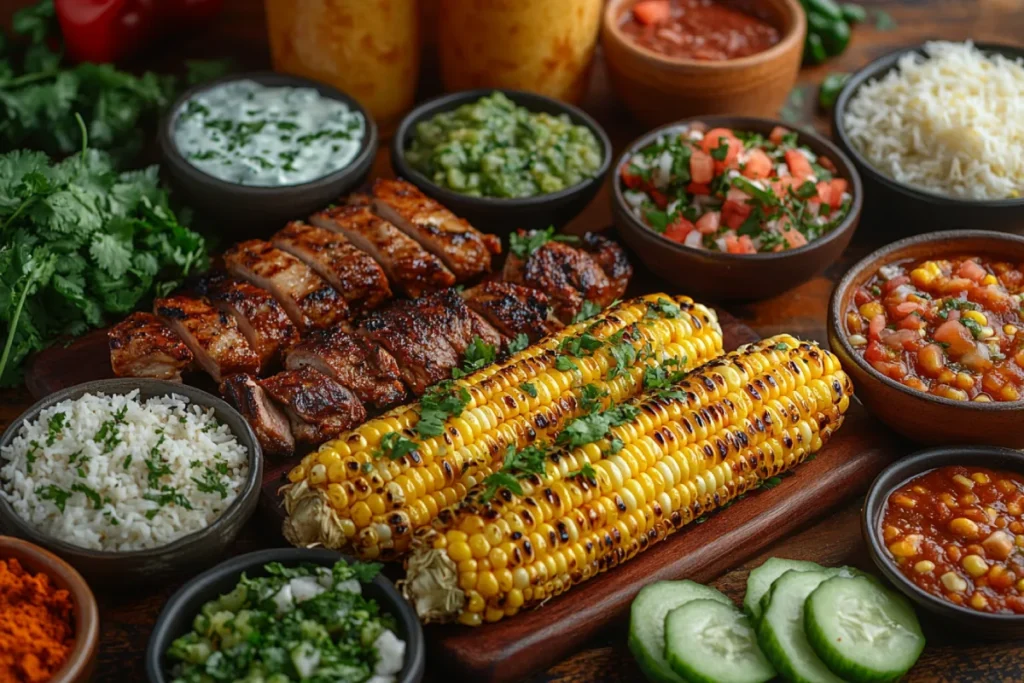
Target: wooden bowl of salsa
931, 330
670, 59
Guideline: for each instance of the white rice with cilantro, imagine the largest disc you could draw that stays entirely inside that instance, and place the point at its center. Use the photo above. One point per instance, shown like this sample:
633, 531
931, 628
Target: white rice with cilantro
115, 473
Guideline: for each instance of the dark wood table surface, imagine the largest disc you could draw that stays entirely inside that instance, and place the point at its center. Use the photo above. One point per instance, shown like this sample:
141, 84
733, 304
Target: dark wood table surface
128, 615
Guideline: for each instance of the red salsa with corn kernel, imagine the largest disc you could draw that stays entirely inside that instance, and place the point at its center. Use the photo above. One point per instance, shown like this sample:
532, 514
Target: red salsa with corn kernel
711, 30
952, 327
958, 533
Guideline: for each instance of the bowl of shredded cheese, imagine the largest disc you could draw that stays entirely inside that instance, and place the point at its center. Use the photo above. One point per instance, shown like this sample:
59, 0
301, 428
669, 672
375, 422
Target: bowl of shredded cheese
937, 132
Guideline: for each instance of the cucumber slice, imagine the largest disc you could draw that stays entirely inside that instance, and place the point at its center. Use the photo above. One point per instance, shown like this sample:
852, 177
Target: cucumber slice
647, 623
844, 572
862, 631
780, 632
707, 641
761, 579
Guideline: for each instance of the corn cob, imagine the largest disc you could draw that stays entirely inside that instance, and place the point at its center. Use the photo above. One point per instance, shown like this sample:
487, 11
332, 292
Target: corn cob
346, 496
721, 431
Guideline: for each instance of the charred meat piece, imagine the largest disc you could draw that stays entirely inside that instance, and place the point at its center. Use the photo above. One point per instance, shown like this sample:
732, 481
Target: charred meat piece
466, 251
142, 346
354, 362
263, 415
612, 259
352, 272
318, 407
213, 336
410, 268
259, 316
513, 309
307, 298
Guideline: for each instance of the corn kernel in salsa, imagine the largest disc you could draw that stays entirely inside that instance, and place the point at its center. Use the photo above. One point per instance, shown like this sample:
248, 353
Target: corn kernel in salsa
952, 327
958, 533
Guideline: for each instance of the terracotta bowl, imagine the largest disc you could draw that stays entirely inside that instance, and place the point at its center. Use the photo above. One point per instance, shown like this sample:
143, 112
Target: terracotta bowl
914, 414
82, 659
718, 276
658, 89
971, 622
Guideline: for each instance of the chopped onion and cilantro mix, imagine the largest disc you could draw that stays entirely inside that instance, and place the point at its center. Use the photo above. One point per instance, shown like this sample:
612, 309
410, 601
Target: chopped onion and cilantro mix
733, 191
305, 623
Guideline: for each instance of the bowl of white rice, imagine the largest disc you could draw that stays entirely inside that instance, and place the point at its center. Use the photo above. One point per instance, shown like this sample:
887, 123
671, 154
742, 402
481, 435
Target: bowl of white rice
937, 133
129, 479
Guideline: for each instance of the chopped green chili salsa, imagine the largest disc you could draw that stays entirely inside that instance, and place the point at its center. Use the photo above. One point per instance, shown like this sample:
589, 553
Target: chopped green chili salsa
495, 148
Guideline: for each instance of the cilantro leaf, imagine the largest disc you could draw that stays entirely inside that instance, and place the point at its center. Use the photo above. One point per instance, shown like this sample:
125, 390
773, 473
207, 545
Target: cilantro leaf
529, 388
479, 354
523, 243
518, 343
394, 446
441, 401
588, 310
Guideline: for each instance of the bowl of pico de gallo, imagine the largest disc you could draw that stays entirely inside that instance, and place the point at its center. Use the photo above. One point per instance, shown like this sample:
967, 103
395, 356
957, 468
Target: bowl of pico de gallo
735, 208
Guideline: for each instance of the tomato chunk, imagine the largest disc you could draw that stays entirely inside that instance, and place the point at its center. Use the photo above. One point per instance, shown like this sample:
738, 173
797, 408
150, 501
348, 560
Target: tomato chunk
777, 134
652, 11
678, 229
839, 187
758, 165
702, 167
799, 166
709, 222
735, 213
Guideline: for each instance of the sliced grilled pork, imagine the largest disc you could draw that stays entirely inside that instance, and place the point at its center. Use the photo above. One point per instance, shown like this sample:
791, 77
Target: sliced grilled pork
354, 362
409, 267
260, 317
465, 251
307, 298
513, 309
612, 259
263, 415
318, 408
352, 272
142, 346
213, 336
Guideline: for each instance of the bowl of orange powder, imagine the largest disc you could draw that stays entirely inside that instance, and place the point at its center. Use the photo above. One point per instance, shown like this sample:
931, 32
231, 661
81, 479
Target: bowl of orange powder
49, 624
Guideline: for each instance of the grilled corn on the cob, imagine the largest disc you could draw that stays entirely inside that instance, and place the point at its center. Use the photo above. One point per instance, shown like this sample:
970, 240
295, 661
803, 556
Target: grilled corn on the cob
721, 431
347, 495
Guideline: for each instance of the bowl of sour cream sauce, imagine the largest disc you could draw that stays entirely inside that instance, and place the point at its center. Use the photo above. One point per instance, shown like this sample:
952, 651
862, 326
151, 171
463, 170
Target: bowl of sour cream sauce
255, 150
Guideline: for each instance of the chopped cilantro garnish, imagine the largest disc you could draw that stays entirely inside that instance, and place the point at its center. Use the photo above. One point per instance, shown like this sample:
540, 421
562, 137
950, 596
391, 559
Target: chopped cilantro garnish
479, 354
525, 243
588, 310
518, 343
441, 401
394, 446
56, 494
565, 364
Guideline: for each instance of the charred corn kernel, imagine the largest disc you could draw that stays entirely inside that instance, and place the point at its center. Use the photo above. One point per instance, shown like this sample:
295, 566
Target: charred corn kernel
890, 533
964, 527
904, 501
978, 601
963, 482
953, 583
980, 477
498, 415
974, 565
733, 423
990, 279
976, 316
924, 567
924, 274
871, 309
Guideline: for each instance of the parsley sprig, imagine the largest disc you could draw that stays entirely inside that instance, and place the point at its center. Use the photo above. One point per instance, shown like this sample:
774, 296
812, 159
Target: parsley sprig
516, 465
479, 354
441, 401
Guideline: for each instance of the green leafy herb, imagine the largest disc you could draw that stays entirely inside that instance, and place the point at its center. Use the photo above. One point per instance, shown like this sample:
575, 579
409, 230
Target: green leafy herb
954, 304
590, 397
168, 495
830, 89
211, 482
806, 190
781, 346
973, 326
581, 346
91, 494
624, 354
662, 308
587, 472
657, 219
54, 493
524, 243
479, 354
54, 427
156, 466
588, 310
394, 446
565, 364
596, 425
884, 21
518, 343
664, 376
529, 389
108, 434
498, 480
441, 401
517, 464
30, 455
615, 445
721, 150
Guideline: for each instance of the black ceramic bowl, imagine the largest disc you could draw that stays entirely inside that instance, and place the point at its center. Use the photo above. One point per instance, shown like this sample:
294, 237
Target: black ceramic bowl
496, 215
241, 209
176, 618
718, 276
980, 624
899, 209
187, 553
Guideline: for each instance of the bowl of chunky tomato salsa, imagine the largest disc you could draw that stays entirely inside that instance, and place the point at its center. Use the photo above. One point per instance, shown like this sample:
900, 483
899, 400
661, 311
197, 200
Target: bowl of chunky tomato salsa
946, 526
735, 208
932, 330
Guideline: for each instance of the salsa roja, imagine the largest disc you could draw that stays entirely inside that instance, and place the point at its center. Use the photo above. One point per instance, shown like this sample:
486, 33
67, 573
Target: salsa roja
958, 533
712, 30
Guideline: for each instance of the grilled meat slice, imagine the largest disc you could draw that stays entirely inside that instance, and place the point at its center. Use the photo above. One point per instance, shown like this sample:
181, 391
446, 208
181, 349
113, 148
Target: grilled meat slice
354, 362
259, 315
513, 309
466, 251
264, 416
309, 301
142, 346
409, 267
352, 272
318, 407
612, 259
213, 336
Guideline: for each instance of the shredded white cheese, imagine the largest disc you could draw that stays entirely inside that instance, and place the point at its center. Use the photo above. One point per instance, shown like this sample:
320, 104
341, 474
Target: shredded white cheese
951, 122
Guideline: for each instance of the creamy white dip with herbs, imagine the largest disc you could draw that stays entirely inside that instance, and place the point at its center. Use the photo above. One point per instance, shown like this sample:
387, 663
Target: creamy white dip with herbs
250, 134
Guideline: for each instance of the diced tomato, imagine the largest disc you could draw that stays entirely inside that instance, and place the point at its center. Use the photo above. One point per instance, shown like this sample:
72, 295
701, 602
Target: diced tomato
908, 340
799, 167
699, 188
1013, 280
781, 186
652, 11
862, 296
894, 283
875, 352
876, 326
702, 167
709, 222
735, 213
777, 133
971, 270
658, 198
712, 139
827, 164
631, 180
678, 229
839, 186
715, 138
992, 297
906, 308
759, 165
959, 338
739, 245
794, 238
825, 192
893, 369
747, 245
913, 322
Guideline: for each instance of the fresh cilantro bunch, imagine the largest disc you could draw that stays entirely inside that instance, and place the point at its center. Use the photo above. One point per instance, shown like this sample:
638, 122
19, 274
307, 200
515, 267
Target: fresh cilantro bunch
81, 244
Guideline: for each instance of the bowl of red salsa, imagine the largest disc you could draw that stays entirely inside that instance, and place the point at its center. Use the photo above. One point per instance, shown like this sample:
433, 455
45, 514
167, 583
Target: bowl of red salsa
931, 328
946, 526
671, 58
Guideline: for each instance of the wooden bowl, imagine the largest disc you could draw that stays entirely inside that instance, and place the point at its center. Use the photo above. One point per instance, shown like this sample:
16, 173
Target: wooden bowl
176, 618
971, 622
182, 555
902, 209
919, 416
658, 89
718, 276
82, 658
